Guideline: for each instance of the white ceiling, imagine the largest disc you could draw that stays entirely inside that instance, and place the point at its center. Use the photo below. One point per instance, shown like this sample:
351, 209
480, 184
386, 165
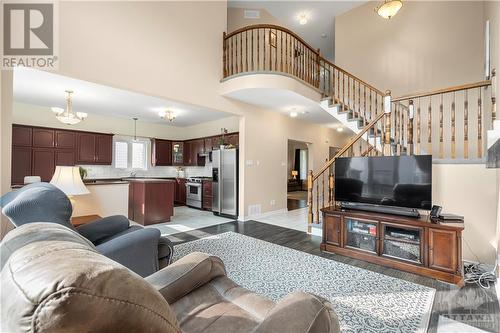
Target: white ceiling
48, 89
320, 15
286, 101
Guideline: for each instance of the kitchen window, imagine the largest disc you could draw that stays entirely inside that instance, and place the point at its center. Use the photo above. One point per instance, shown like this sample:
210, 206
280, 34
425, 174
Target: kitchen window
130, 154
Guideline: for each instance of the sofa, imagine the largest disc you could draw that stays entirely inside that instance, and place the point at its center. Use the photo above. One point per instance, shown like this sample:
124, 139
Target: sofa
142, 250
54, 280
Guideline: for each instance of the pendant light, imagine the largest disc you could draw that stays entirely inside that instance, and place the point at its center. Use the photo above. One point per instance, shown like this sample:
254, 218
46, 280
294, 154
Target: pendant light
135, 128
68, 116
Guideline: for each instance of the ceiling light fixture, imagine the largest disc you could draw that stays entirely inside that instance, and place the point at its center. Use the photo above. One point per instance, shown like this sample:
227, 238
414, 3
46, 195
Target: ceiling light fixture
169, 115
68, 116
293, 114
389, 8
340, 129
135, 128
302, 19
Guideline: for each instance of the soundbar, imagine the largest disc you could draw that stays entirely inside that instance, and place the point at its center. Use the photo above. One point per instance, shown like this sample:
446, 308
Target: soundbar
410, 212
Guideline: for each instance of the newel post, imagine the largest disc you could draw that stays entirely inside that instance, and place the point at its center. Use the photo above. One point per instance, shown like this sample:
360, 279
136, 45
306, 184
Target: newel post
331, 182
310, 197
411, 113
493, 95
387, 126
318, 68
224, 61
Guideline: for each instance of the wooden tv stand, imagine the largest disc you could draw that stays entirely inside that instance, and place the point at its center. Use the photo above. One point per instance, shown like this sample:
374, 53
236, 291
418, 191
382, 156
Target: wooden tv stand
410, 244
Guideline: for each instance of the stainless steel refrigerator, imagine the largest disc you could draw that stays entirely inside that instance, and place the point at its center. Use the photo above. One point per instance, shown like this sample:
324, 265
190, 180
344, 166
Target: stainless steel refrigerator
225, 182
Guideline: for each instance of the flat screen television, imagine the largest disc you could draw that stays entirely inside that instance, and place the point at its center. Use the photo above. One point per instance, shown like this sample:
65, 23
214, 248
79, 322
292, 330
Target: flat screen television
399, 181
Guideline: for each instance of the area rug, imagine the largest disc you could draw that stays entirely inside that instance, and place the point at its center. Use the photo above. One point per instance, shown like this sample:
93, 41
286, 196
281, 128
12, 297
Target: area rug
365, 301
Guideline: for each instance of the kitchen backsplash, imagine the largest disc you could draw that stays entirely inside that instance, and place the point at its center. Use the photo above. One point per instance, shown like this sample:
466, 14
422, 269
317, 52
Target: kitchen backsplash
107, 171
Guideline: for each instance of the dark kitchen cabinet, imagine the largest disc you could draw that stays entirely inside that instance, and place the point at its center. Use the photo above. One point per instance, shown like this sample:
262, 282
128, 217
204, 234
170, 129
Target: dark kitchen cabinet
65, 139
207, 194
92, 148
43, 137
65, 157
232, 139
21, 136
104, 149
21, 164
208, 144
178, 153
161, 152
44, 163
187, 153
85, 148
180, 191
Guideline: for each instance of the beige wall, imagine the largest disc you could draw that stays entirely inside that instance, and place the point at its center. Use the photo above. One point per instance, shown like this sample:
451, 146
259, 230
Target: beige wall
236, 19
6, 84
28, 114
470, 190
426, 46
265, 155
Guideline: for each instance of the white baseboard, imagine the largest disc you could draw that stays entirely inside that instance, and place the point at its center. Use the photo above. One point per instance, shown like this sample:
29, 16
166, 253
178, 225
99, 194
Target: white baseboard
262, 215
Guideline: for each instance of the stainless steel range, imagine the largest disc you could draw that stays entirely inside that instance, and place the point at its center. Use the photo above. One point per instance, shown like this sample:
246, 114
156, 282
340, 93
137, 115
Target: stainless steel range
193, 192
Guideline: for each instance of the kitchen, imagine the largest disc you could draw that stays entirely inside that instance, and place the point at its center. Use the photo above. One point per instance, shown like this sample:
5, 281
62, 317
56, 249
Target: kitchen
124, 160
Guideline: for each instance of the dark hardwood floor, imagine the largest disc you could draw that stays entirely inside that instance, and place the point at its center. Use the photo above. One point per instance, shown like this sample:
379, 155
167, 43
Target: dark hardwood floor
471, 305
296, 204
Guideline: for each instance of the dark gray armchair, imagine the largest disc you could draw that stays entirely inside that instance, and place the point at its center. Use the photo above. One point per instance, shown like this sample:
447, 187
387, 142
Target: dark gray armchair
142, 250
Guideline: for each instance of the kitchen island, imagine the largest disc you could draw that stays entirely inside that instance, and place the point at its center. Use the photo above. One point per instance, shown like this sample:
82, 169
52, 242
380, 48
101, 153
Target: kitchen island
151, 200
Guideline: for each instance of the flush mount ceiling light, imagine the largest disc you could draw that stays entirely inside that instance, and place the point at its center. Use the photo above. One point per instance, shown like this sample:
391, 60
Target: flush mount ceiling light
293, 114
68, 116
340, 129
169, 115
302, 19
389, 8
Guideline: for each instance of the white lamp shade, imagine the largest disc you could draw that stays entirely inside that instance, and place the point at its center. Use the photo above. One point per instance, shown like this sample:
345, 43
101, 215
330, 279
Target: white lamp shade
68, 180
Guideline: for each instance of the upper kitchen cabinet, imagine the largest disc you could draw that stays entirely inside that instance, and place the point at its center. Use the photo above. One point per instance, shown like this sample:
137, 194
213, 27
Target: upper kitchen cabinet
192, 151
21, 164
178, 153
104, 149
94, 148
43, 137
232, 139
161, 152
65, 139
21, 136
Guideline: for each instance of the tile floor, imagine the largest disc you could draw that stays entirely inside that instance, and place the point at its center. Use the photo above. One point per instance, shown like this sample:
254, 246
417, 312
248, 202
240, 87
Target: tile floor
186, 219
293, 219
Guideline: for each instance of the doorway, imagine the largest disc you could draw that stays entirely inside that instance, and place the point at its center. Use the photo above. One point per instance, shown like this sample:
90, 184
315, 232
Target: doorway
298, 164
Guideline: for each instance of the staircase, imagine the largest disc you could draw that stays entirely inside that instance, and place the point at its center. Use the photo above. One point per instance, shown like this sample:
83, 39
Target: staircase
448, 123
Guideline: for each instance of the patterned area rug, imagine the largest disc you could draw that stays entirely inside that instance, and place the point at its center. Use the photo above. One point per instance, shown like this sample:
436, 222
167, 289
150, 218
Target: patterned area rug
365, 301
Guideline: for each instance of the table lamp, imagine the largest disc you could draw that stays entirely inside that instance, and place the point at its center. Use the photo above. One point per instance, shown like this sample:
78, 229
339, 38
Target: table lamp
68, 180
295, 173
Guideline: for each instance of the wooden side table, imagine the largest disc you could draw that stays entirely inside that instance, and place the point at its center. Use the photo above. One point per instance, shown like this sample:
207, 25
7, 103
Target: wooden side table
80, 220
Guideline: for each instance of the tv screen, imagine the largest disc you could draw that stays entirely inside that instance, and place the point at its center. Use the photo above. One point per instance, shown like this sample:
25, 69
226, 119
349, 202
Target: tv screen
401, 181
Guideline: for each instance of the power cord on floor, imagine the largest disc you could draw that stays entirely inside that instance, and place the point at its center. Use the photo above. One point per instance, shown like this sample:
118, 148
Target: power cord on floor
478, 273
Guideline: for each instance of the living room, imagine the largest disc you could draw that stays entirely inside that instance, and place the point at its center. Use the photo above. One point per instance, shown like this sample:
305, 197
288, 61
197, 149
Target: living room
174, 53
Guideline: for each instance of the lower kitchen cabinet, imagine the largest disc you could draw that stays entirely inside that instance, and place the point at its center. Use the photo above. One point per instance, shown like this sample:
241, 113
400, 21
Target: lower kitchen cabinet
207, 195
180, 191
151, 200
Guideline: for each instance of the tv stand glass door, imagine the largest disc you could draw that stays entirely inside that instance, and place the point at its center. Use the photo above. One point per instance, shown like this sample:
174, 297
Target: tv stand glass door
361, 235
402, 242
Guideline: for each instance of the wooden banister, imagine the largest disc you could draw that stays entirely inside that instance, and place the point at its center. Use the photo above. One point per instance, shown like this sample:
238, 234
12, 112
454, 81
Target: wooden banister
444, 91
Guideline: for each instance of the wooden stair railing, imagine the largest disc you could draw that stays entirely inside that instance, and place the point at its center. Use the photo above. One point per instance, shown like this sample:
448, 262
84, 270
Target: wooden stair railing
423, 123
403, 129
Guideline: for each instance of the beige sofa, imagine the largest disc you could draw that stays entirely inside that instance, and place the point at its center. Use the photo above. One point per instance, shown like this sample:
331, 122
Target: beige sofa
54, 280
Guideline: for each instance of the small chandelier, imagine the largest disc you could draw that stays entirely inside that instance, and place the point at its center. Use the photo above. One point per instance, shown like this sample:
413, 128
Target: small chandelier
68, 116
389, 8
167, 115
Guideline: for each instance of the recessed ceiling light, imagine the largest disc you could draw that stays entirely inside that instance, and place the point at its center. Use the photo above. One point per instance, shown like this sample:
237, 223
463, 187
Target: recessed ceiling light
302, 19
293, 114
340, 129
